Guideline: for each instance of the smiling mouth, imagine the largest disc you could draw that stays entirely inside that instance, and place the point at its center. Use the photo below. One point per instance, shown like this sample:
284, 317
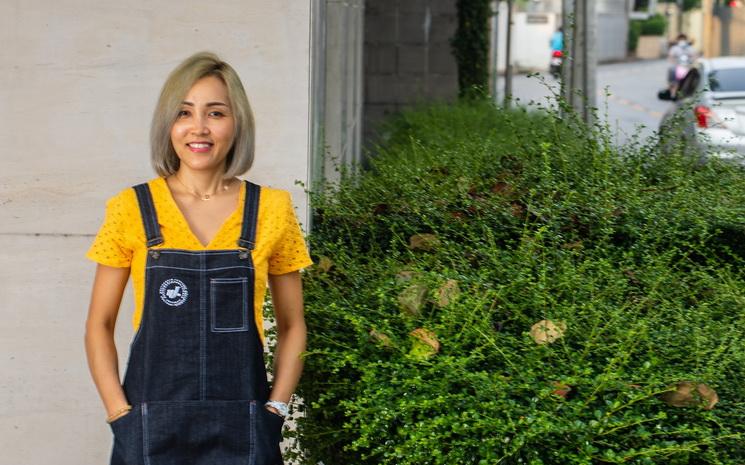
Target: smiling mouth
200, 147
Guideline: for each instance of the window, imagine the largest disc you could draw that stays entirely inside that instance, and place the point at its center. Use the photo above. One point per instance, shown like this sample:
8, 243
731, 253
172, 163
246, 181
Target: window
727, 80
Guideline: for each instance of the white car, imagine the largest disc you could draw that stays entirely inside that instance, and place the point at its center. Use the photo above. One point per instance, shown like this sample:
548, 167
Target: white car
710, 107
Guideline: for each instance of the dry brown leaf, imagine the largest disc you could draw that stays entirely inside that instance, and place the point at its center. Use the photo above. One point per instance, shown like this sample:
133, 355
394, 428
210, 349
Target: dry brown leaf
517, 210
412, 298
448, 292
423, 241
688, 394
547, 331
381, 338
405, 276
577, 245
561, 389
708, 394
502, 188
425, 343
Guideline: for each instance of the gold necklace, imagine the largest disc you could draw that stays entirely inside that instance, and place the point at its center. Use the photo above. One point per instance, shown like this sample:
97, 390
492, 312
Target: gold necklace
204, 197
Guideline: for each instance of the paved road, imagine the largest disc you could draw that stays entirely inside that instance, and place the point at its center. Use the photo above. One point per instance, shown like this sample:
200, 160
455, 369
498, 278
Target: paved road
627, 95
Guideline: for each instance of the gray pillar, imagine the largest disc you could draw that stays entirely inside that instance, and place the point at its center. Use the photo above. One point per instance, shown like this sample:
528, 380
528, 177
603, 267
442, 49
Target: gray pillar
579, 85
317, 91
508, 58
494, 32
680, 16
336, 87
724, 13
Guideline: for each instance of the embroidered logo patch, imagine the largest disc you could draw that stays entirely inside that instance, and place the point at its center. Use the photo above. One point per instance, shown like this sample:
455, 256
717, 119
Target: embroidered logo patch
173, 292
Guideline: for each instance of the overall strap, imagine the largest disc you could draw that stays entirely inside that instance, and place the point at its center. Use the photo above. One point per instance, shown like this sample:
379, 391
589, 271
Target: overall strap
250, 213
149, 216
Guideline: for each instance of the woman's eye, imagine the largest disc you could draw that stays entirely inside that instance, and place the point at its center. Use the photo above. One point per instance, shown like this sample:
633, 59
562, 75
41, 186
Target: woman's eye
182, 113
217, 113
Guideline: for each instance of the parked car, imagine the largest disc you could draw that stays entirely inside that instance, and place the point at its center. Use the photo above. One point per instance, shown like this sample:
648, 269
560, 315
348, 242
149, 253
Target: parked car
710, 107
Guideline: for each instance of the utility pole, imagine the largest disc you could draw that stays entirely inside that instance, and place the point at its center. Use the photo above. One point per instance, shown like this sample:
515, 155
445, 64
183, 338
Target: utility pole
724, 12
580, 65
508, 58
495, 48
680, 16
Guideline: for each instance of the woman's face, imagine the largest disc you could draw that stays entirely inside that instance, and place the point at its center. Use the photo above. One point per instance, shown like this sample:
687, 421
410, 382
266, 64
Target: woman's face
203, 131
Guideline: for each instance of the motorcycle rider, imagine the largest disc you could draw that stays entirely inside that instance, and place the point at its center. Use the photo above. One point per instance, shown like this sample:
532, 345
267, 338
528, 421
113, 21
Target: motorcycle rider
681, 54
557, 40
557, 50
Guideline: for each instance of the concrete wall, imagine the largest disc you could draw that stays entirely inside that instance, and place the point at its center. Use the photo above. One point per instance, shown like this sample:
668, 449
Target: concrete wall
531, 35
612, 36
407, 56
531, 40
78, 81
612, 29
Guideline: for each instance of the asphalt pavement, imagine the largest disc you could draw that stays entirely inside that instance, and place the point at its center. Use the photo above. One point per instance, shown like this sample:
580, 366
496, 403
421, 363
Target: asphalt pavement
626, 96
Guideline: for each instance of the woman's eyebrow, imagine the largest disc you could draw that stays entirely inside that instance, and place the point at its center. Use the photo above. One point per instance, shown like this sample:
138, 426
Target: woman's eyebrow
209, 104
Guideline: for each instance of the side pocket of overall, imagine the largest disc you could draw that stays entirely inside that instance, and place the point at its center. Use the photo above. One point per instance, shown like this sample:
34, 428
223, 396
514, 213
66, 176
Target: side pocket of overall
127, 431
269, 436
229, 304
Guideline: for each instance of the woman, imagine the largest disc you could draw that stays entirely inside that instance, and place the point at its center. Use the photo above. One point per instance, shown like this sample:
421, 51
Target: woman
200, 245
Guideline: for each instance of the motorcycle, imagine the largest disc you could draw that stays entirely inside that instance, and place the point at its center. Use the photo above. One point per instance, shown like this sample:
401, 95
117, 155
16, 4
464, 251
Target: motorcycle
557, 59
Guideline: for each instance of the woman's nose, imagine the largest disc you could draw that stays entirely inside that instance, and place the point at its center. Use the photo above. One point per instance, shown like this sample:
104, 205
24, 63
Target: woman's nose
200, 125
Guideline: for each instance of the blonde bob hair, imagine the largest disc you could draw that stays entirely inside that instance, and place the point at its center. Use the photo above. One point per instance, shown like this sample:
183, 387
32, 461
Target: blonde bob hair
200, 65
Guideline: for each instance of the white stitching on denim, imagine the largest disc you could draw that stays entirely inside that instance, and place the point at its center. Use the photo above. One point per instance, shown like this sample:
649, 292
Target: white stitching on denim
200, 252
198, 269
203, 328
252, 434
145, 441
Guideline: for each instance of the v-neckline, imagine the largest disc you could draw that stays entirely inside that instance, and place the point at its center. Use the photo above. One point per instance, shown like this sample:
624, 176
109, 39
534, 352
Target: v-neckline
182, 218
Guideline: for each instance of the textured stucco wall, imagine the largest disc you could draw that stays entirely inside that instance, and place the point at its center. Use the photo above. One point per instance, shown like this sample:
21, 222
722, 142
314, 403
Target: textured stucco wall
79, 79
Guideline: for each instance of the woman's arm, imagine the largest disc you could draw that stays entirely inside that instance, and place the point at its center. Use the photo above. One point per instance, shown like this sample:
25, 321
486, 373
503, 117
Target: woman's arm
108, 287
287, 298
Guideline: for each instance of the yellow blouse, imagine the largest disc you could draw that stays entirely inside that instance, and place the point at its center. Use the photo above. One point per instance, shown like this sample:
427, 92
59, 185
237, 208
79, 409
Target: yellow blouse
120, 242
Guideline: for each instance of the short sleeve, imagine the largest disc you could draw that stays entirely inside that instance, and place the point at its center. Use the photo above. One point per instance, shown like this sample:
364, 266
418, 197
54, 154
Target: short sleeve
110, 246
289, 252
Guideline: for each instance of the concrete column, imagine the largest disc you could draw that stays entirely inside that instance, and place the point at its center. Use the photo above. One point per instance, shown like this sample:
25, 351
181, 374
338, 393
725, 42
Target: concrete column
579, 74
337, 40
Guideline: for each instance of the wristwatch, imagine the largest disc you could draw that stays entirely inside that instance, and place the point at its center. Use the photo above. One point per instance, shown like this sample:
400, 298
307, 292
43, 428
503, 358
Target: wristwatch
281, 407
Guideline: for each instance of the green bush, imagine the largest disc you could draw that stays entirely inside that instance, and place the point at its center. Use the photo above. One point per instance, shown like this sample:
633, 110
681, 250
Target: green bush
474, 224
655, 25
635, 30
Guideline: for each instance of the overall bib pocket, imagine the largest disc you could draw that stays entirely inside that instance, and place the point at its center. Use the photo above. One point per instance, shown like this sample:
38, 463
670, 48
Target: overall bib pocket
229, 304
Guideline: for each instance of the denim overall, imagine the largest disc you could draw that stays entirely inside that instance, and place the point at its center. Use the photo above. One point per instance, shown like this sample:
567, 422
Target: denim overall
195, 376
